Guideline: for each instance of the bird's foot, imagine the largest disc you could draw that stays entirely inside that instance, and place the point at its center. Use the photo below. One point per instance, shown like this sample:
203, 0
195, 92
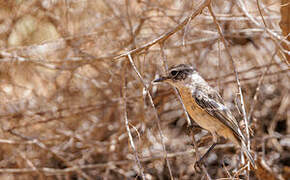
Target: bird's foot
198, 166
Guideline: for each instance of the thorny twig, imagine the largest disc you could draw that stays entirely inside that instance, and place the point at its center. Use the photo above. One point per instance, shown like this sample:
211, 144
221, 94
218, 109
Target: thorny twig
29, 163
244, 71
269, 137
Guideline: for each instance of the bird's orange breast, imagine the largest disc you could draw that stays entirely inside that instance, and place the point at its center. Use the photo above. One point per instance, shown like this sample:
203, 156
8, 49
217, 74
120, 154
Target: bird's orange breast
203, 119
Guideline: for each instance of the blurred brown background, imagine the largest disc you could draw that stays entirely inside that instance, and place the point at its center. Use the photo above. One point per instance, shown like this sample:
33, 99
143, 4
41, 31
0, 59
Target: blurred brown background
66, 95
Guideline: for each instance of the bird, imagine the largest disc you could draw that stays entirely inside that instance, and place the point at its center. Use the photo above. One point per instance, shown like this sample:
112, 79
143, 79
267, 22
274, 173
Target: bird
206, 107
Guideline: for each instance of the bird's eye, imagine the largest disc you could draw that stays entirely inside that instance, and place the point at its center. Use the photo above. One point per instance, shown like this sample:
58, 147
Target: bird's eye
173, 73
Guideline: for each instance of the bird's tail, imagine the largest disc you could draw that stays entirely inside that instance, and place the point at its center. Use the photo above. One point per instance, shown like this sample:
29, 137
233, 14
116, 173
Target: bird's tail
248, 154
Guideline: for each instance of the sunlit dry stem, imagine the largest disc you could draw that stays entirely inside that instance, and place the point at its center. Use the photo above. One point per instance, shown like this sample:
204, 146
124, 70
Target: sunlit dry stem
237, 78
128, 128
155, 112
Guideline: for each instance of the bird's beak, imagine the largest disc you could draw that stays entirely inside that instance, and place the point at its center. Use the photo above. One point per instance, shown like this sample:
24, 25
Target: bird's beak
161, 79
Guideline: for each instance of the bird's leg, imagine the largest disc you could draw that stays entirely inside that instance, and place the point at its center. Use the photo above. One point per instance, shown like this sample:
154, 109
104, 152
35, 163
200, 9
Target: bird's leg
199, 162
207, 152
215, 142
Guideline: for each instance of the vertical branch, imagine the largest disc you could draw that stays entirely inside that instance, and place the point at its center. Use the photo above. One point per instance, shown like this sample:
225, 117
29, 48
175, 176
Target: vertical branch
124, 94
164, 59
130, 24
186, 29
252, 107
259, 8
236, 76
155, 112
165, 65
219, 65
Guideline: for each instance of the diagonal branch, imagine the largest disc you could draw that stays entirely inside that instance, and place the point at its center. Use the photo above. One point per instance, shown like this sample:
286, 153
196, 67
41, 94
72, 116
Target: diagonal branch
166, 35
277, 39
269, 31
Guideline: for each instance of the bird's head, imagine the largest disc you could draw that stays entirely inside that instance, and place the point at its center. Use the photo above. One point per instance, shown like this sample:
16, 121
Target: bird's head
177, 74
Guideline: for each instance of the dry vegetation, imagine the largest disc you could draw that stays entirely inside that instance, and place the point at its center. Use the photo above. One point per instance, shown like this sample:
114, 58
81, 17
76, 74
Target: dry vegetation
77, 100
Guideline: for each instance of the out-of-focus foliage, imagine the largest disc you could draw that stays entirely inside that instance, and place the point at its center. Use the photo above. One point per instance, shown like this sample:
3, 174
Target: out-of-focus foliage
62, 104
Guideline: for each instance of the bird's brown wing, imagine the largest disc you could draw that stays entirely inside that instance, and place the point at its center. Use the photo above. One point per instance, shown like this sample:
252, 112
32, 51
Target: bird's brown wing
214, 105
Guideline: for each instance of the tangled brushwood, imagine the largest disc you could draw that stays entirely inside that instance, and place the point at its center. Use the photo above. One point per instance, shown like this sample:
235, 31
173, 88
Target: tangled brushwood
77, 99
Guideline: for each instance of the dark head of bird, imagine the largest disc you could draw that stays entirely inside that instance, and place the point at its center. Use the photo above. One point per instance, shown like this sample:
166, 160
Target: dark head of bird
177, 73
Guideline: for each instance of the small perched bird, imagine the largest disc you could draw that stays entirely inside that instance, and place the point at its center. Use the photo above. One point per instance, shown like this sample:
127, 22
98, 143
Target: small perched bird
206, 107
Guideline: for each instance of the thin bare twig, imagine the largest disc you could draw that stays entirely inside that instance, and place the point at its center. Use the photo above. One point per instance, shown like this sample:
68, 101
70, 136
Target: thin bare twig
100, 165
155, 112
244, 71
257, 76
164, 60
127, 125
186, 29
252, 106
269, 137
30, 163
277, 39
260, 11
284, 104
165, 35
236, 76
270, 32
44, 147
